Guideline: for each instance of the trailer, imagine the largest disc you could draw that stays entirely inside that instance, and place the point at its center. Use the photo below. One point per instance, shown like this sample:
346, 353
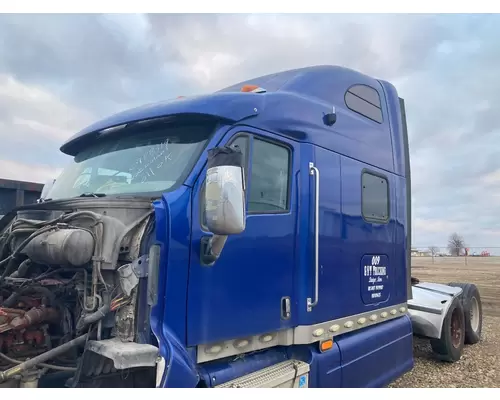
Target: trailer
14, 193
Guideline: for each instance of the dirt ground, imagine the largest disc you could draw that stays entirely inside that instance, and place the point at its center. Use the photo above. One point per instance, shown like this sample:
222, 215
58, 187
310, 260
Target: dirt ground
484, 272
480, 363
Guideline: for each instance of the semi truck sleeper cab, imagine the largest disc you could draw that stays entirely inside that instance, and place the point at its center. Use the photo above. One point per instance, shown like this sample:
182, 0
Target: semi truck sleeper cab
256, 236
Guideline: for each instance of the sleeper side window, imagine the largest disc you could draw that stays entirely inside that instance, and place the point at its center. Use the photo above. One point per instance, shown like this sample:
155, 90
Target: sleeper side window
374, 198
269, 185
365, 101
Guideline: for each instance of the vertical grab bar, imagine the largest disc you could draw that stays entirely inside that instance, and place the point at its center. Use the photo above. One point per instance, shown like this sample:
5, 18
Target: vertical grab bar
313, 171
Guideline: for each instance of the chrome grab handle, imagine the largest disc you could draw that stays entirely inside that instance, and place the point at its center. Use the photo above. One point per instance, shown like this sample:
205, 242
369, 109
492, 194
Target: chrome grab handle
313, 171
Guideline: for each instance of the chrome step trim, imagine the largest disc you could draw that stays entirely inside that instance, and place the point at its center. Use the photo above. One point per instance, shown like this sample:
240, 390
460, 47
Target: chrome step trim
286, 374
303, 334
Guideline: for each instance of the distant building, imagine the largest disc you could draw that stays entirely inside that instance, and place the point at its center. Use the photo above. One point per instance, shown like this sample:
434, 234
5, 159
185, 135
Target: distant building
420, 253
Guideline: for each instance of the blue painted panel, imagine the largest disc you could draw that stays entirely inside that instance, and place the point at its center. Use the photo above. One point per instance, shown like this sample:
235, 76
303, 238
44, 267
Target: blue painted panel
181, 371
331, 272
325, 368
375, 356
231, 107
174, 314
173, 234
345, 238
352, 135
295, 105
396, 125
360, 238
240, 295
299, 98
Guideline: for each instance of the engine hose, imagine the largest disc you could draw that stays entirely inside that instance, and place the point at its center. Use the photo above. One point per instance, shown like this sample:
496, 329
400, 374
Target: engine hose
35, 361
94, 317
43, 365
11, 300
11, 266
22, 269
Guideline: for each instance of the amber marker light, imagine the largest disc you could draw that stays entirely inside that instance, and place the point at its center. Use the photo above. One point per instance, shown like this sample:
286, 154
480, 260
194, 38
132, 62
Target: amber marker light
326, 345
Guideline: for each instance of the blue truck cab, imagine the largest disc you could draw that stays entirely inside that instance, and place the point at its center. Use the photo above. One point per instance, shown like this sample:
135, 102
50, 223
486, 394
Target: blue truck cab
256, 236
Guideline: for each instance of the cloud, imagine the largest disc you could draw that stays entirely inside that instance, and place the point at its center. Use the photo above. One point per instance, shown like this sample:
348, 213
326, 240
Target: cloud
33, 121
219, 49
60, 72
39, 173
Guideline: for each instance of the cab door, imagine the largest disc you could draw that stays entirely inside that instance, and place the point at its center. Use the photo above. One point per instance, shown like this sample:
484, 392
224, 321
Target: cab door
248, 290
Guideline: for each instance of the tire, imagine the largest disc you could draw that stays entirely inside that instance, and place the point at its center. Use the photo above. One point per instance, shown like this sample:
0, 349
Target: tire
473, 309
450, 345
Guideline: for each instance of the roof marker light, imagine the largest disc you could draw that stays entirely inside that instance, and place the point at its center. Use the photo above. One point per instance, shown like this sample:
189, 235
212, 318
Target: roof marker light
252, 89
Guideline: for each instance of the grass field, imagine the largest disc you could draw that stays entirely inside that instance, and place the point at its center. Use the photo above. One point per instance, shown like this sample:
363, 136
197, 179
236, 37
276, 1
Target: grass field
484, 272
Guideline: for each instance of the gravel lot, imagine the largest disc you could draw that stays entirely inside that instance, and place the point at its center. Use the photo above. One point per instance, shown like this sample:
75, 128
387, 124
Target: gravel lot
479, 366
480, 363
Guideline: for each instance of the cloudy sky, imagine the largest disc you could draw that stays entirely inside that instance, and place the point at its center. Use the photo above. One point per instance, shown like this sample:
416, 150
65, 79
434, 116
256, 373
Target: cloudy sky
60, 73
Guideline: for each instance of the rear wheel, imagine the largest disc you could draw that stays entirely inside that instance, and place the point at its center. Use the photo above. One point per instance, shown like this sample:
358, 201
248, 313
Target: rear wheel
473, 310
450, 345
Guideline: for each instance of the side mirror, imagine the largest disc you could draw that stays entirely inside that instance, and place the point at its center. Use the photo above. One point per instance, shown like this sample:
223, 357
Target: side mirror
225, 191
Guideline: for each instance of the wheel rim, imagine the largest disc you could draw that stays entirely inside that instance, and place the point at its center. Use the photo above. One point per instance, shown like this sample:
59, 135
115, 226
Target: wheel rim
456, 329
474, 314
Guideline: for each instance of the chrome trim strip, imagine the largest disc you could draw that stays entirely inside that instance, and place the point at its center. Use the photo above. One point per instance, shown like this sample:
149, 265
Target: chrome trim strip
429, 310
304, 334
310, 303
234, 347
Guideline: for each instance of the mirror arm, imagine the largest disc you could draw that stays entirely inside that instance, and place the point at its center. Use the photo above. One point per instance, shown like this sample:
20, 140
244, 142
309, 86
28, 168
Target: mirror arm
211, 248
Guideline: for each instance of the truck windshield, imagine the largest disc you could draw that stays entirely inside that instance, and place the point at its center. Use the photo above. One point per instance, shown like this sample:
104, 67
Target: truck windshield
139, 161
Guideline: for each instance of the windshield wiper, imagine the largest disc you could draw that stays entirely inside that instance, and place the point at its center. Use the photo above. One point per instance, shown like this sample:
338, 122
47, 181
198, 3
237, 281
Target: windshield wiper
90, 194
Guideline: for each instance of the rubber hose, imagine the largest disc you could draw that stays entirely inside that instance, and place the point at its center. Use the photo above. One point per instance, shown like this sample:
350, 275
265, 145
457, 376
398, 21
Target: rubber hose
43, 365
94, 317
28, 364
9, 268
11, 300
22, 269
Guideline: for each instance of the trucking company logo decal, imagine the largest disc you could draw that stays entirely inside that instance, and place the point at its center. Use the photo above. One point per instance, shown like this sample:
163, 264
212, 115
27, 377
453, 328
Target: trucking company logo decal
374, 278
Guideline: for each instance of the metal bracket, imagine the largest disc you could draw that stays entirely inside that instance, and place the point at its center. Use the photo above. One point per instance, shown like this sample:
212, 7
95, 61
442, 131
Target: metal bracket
140, 266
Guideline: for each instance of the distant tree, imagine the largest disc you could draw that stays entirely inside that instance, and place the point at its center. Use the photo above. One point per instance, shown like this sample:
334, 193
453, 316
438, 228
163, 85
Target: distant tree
456, 244
434, 250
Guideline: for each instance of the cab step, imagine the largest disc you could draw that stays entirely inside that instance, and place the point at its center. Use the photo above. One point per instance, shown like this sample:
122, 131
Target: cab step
287, 374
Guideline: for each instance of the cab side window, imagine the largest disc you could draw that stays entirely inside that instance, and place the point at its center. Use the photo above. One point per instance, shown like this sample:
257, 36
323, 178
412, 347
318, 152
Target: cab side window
241, 142
269, 183
268, 188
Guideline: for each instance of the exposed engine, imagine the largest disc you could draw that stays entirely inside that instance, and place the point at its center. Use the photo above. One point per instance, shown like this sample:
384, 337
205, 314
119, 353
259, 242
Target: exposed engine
67, 278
